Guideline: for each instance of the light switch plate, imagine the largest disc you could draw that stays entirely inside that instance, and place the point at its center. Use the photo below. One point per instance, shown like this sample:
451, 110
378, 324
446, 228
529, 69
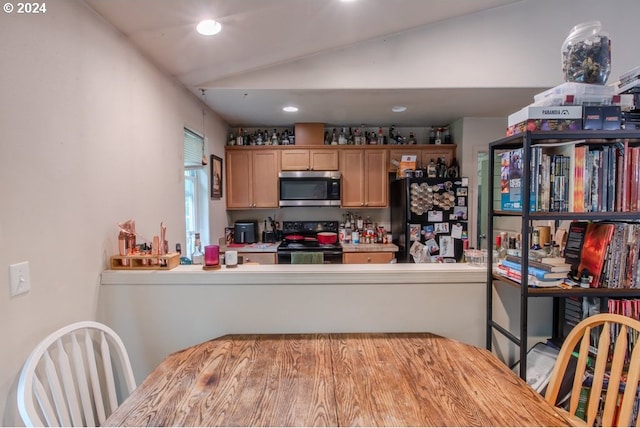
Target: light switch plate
19, 278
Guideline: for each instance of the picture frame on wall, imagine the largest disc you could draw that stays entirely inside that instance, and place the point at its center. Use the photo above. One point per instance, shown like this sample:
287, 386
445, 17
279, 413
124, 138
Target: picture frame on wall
216, 177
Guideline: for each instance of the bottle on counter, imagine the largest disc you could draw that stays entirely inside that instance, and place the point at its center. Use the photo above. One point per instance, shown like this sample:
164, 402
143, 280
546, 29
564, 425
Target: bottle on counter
438, 136
412, 139
499, 251
535, 240
197, 257
432, 170
240, 138
357, 138
342, 138
334, 138
347, 229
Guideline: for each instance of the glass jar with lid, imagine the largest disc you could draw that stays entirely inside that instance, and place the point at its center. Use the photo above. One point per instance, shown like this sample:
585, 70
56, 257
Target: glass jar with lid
586, 54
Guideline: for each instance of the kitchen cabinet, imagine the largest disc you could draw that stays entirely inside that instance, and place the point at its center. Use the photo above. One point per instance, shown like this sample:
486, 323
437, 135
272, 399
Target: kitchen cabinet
252, 178
309, 134
364, 178
367, 258
309, 159
423, 154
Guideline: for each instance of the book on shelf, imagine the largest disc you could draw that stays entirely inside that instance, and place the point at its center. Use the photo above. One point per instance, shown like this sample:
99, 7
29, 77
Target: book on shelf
554, 261
532, 281
538, 273
573, 247
593, 252
511, 180
557, 267
573, 177
579, 179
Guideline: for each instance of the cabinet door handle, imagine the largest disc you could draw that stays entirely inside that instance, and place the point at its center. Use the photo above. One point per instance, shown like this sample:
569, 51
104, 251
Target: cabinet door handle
368, 259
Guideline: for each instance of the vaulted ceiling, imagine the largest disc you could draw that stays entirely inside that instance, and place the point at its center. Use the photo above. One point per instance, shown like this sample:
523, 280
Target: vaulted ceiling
264, 35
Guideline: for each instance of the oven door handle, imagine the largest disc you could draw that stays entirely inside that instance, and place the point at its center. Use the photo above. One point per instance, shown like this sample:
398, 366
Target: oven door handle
325, 252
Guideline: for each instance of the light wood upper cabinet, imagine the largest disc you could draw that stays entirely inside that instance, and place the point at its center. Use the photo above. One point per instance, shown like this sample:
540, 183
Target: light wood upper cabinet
309, 160
423, 153
252, 178
364, 178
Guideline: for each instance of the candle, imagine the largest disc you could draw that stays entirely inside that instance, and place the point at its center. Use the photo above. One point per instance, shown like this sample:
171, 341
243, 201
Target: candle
211, 255
231, 258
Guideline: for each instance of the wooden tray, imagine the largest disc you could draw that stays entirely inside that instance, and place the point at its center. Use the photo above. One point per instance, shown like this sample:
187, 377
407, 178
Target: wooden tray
145, 262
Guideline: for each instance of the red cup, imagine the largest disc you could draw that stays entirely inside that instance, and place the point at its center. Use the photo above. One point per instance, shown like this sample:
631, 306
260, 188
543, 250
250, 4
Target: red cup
211, 255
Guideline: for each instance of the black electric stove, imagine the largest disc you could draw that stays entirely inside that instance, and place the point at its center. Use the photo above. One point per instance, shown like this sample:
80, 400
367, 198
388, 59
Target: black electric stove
302, 237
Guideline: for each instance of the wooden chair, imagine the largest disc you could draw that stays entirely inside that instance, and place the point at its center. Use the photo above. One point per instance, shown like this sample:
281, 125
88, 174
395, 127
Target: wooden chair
77, 376
618, 359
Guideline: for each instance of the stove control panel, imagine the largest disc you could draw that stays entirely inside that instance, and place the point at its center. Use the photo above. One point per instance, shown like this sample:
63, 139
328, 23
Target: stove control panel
309, 226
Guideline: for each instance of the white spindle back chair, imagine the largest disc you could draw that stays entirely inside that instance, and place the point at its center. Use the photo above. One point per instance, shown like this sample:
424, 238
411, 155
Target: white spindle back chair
77, 376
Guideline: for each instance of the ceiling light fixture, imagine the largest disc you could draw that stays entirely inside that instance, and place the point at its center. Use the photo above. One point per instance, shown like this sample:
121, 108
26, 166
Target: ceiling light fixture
290, 109
209, 27
398, 109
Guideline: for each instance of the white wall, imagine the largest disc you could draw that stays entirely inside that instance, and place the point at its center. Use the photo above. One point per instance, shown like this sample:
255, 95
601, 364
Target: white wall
514, 46
90, 135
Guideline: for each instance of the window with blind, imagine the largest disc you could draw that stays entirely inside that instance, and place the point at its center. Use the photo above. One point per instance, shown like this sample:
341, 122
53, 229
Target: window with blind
195, 191
193, 149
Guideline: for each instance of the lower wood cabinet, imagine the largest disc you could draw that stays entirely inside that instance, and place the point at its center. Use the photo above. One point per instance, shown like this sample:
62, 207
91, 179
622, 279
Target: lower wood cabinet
366, 258
260, 258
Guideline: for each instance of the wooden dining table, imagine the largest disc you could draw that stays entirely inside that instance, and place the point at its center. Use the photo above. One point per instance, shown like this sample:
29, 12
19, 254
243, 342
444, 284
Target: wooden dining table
346, 379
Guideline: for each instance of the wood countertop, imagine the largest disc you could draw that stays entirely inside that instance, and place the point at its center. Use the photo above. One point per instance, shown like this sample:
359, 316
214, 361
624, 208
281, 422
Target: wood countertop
260, 247
369, 248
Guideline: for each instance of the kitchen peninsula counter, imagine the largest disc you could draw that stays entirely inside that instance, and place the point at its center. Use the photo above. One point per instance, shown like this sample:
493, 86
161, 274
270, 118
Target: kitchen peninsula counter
160, 312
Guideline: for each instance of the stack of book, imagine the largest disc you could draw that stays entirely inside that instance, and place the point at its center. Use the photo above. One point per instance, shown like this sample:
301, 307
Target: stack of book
629, 83
548, 272
562, 108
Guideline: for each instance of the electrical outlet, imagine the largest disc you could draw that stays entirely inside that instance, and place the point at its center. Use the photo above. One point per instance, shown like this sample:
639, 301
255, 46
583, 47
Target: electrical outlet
19, 278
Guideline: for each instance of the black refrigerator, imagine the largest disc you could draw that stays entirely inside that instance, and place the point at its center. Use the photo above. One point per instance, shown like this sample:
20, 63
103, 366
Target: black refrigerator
433, 211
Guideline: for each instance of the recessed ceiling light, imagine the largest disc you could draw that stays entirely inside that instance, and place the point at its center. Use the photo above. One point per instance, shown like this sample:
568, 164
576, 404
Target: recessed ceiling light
209, 27
290, 109
398, 109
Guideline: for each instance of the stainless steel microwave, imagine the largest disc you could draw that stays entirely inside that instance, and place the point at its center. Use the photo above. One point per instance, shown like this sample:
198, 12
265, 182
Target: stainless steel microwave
309, 188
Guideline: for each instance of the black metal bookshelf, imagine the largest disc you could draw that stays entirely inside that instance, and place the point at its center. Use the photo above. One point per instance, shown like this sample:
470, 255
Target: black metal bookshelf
526, 141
